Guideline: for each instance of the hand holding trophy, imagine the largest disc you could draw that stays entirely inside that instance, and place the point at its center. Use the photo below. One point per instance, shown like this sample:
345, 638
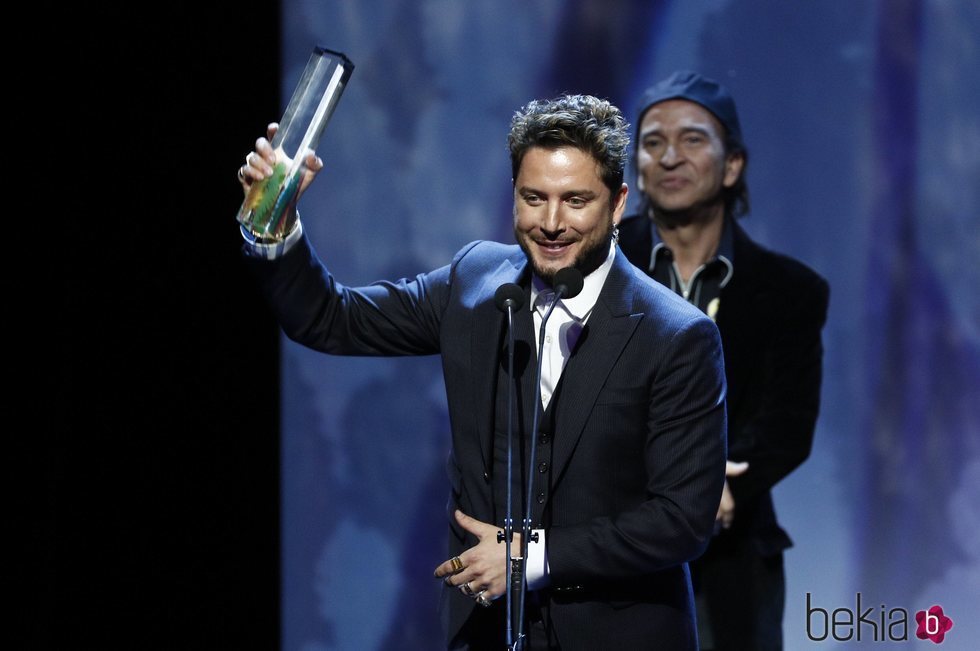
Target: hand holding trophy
267, 209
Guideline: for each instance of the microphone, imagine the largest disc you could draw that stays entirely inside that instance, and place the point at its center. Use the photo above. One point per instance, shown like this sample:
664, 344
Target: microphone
568, 283
509, 298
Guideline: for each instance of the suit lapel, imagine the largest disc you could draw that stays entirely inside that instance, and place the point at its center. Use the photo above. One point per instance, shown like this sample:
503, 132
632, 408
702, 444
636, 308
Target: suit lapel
608, 330
748, 294
747, 303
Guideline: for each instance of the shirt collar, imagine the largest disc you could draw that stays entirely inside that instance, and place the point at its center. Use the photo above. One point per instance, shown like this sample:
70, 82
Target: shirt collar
725, 253
579, 307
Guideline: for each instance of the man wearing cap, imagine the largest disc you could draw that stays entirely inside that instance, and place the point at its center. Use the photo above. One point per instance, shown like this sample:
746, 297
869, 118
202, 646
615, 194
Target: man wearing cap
770, 310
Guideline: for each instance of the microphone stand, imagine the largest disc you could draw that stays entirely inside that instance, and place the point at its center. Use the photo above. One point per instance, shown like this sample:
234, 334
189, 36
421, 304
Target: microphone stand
526, 525
509, 519
567, 283
510, 297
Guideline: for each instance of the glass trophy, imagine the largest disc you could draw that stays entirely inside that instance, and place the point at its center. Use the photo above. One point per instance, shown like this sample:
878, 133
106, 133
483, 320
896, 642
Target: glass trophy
267, 206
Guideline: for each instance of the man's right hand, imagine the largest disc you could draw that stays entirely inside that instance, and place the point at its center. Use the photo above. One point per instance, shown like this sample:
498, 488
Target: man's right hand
260, 162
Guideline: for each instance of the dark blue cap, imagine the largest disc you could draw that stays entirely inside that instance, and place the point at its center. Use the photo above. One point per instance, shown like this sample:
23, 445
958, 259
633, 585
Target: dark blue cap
698, 89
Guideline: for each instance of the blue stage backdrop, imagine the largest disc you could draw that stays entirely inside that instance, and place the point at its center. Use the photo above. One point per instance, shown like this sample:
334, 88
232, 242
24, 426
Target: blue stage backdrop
861, 119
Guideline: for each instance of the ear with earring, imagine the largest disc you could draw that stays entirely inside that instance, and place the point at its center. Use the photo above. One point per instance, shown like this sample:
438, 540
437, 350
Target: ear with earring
615, 235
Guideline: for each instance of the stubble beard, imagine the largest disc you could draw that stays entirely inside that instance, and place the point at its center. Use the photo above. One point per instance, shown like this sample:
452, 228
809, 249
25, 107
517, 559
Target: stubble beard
588, 260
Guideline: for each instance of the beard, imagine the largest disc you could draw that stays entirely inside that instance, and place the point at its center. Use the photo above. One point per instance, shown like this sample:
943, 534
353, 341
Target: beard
593, 254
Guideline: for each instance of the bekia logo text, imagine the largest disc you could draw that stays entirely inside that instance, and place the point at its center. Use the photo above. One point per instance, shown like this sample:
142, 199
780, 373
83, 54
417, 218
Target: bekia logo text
875, 625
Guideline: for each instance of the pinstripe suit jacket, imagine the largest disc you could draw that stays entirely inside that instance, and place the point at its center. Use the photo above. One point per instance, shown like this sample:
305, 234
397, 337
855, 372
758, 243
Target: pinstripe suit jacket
639, 435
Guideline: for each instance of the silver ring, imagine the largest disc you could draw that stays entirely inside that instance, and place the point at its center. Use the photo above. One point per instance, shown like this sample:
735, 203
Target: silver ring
466, 589
241, 173
482, 600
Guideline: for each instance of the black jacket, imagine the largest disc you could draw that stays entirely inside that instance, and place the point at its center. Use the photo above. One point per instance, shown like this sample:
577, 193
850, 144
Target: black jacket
638, 451
770, 317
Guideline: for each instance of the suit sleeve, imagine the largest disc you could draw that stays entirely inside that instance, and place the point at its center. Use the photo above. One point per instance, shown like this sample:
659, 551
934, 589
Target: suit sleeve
778, 436
385, 318
684, 456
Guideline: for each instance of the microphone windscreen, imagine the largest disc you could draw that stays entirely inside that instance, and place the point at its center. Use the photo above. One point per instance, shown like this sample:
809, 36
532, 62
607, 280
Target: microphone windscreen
568, 282
509, 295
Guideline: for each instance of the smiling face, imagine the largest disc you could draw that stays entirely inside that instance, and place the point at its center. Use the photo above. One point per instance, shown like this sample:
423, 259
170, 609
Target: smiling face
682, 162
563, 212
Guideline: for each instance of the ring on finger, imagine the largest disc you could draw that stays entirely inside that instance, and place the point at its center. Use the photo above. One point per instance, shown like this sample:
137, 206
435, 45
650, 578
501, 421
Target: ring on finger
241, 173
466, 589
482, 599
456, 563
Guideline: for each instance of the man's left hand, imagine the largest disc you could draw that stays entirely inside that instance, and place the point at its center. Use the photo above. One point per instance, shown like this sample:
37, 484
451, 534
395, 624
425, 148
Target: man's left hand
483, 569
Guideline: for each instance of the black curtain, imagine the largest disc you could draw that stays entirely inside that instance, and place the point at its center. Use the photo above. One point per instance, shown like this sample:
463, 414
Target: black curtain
161, 445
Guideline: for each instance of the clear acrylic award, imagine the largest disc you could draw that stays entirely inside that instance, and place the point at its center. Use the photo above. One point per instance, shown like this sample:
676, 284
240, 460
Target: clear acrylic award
267, 206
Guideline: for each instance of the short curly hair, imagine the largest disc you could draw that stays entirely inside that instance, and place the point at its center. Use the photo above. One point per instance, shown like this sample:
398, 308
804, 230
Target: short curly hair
582, 121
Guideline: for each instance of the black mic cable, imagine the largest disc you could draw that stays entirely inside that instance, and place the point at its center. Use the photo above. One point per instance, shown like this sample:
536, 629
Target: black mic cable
567, 283
509, 298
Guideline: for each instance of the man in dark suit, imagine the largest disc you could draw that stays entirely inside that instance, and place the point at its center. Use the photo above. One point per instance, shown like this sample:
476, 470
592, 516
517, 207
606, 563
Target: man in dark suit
770, 310
631, 436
